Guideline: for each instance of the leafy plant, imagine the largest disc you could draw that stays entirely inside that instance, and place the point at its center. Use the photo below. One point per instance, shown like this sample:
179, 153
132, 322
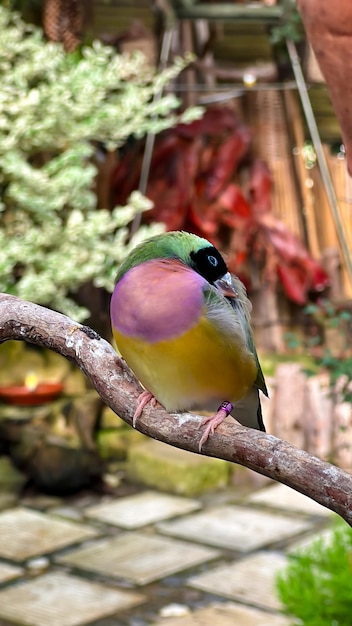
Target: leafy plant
328, 315
54, 110
340, 371
316, 586
291, 26
333, 355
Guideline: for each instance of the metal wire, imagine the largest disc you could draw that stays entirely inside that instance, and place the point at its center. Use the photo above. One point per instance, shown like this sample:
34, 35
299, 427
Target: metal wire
150, 139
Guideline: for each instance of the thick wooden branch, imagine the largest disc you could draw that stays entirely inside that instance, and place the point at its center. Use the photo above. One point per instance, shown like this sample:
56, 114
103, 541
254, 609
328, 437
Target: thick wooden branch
118, 388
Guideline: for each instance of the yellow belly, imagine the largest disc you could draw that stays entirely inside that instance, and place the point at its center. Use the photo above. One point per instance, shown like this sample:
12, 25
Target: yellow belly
197, 370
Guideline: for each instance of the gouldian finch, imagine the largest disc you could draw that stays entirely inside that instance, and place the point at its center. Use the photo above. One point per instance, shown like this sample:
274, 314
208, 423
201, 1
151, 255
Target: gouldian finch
182, 324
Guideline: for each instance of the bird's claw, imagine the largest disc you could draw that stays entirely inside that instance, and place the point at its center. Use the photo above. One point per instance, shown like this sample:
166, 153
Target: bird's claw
143, 399
214, 421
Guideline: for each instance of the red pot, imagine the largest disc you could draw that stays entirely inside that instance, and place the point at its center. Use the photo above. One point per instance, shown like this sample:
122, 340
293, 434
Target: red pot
20, 395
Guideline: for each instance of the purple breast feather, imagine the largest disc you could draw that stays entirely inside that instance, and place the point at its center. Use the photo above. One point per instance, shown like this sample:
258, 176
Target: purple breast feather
157, 300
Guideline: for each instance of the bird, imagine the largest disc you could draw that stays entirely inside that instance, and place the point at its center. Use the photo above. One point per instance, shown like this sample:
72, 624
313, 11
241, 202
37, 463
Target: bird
181, 322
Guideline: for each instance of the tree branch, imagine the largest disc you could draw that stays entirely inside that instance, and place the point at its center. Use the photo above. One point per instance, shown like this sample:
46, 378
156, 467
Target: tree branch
119, 389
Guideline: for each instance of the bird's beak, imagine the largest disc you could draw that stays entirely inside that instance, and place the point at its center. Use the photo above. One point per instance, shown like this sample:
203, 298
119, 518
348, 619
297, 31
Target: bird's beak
226, 287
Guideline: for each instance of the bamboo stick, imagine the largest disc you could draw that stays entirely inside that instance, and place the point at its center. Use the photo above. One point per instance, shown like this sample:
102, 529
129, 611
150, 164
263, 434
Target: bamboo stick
308, 208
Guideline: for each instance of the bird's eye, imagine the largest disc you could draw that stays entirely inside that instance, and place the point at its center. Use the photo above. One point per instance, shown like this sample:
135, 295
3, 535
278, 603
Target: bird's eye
209, 263
213, 261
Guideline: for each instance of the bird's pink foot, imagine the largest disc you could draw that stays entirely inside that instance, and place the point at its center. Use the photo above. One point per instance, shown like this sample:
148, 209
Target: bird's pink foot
143, 399
214, 421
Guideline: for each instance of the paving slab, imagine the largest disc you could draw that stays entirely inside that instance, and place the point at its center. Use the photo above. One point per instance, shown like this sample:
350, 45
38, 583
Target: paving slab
59, 599
137, 557
9, 572
142, 509
228, 614
26, 533
250, 580
235, 528
285, 498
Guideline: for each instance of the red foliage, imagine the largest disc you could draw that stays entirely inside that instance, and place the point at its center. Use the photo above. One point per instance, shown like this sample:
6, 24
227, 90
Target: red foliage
192, 184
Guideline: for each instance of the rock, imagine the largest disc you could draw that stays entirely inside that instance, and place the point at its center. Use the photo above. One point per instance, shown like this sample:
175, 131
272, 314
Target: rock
174, 610
112, 481
60, 469
11, 479
57, 465
169, 469
38, 565
14, 420
31, 439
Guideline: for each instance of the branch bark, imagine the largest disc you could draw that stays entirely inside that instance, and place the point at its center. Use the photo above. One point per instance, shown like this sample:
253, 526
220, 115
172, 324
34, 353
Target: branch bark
119, 389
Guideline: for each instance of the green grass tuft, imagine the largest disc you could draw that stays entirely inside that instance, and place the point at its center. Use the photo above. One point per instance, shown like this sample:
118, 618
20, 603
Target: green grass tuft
316, 587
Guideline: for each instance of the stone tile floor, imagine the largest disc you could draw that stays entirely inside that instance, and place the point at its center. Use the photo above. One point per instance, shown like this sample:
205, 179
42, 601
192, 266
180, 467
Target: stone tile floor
150, 559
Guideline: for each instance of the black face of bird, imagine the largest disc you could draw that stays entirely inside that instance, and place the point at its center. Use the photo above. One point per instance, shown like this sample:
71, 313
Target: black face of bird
209, 263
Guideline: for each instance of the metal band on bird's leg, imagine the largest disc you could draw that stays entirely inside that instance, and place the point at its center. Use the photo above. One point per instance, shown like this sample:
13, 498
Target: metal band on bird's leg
226, 406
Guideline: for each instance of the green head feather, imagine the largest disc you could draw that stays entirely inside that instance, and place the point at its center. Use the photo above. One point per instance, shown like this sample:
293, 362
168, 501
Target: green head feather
172, 245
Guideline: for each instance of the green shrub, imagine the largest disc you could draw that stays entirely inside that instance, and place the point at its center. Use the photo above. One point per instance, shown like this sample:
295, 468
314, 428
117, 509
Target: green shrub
316, 587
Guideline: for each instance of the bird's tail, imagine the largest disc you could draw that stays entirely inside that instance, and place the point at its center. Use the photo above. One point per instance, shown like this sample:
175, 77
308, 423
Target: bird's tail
248, 411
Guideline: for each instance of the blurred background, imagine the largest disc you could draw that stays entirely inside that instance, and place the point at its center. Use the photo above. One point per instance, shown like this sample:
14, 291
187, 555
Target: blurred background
120, 120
